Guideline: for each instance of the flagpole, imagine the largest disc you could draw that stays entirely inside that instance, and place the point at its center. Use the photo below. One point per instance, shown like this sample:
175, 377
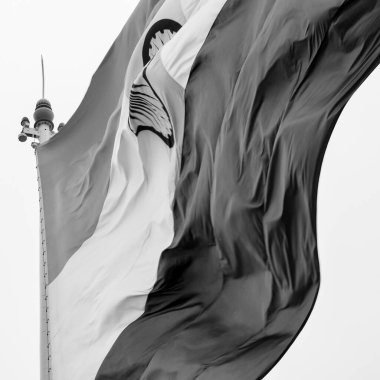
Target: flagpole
45, 355
41, 133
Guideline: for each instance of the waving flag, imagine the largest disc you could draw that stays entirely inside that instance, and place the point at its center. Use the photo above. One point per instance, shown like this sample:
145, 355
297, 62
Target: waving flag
180, 199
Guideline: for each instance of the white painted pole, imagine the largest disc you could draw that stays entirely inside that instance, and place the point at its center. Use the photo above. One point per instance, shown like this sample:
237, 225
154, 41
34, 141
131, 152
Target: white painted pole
44, 132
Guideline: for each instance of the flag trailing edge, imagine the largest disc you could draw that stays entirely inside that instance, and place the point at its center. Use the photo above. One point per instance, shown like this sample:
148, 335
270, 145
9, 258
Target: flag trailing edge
180, 213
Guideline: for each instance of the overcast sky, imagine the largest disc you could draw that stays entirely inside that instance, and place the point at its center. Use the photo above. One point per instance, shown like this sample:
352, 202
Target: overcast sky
342, 337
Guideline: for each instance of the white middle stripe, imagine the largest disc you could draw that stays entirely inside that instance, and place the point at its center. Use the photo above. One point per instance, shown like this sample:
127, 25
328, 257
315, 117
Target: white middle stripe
104, 286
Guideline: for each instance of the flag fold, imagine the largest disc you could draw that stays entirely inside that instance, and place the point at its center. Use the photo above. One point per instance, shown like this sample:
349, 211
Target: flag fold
180, 199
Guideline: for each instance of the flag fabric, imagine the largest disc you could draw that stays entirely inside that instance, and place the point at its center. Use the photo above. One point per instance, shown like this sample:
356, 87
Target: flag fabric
179, 201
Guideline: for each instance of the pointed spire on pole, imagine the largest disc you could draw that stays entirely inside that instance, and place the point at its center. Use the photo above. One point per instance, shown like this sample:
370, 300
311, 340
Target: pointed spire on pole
43, 77
43, 117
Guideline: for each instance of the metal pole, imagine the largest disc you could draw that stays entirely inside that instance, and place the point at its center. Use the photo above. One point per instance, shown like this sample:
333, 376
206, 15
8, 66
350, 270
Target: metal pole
45, 355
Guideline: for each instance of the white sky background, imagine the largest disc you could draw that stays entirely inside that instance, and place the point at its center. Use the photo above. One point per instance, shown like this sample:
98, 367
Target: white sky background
342, 337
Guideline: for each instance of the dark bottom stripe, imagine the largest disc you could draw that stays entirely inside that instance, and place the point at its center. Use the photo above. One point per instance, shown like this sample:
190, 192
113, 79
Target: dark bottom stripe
242, 275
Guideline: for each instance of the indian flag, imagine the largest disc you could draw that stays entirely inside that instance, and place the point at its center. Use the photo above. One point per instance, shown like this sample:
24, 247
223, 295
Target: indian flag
179, 201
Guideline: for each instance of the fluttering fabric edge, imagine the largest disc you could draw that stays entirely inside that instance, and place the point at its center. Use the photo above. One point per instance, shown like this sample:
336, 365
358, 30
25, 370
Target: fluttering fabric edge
334, 71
